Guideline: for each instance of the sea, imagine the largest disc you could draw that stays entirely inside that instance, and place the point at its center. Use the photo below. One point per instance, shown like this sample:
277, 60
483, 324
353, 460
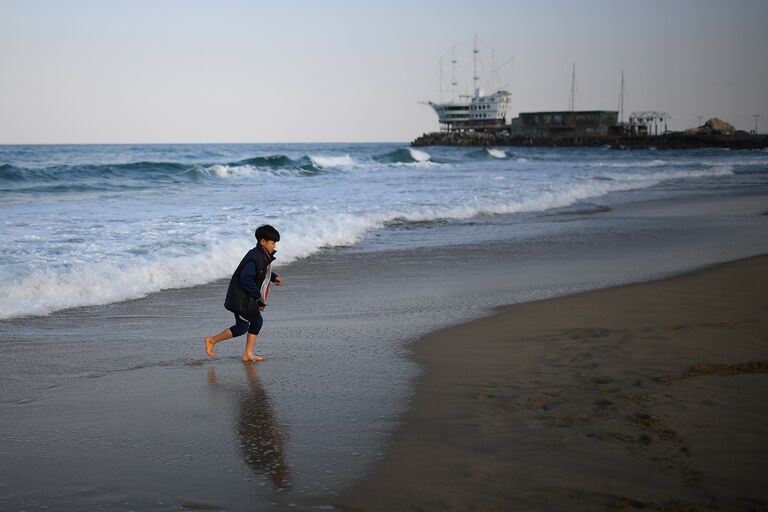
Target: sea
86, 225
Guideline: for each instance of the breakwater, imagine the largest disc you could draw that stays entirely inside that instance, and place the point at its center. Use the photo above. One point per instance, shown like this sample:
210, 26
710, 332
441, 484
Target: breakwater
677, 140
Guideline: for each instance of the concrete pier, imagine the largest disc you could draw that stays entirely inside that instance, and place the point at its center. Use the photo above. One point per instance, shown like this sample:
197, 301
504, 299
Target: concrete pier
677, 140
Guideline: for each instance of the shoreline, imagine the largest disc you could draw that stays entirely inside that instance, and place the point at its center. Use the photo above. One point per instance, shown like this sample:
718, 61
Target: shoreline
635, 404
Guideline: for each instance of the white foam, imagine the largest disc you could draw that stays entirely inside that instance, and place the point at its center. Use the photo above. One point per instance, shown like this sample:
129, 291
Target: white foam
325, 162
246, 171
227, 171
639, 163
658, 177
221, 171
94, 283
419, 155
496, 153
106, 282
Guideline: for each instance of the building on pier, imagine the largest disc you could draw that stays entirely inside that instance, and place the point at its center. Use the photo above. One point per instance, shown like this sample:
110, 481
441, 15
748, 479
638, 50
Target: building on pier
565, 123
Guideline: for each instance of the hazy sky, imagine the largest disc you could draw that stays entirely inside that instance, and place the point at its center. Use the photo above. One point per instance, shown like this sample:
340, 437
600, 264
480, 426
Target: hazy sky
247, 71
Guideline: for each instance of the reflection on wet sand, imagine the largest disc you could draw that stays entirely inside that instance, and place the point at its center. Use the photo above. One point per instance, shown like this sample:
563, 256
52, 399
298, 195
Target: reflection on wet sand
260, 436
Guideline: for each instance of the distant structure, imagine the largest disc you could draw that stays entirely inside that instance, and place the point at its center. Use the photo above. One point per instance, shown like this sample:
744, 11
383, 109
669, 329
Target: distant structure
483, 113
565, 123
475, 112
640, 123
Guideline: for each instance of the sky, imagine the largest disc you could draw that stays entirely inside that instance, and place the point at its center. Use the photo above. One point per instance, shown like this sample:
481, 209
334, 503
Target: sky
167, 71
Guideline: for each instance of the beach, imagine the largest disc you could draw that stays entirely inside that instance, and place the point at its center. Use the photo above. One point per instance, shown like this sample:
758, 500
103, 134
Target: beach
641, 397
109, 403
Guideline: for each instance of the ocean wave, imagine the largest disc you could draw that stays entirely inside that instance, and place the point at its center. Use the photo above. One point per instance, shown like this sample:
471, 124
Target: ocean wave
658, 177
496, 153
324, 162
250, 171
104, 283
126, 278
121, 277
487, 153
270, 161
404, 156
181, 229
635, 164
144, 170
159, 172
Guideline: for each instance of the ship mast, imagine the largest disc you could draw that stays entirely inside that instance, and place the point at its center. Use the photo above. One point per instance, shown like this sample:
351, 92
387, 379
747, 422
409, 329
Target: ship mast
475, 78
440, 94
571, 101
621, 99
453, 75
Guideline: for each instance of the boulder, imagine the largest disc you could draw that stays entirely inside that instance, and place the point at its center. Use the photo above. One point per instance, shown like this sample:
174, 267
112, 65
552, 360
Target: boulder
717, 126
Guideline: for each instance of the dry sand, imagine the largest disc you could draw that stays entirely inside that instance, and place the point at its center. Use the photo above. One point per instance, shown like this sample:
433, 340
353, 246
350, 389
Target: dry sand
643, 397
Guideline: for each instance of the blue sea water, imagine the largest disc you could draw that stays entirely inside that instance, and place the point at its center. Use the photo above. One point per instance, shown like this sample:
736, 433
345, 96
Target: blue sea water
96, 224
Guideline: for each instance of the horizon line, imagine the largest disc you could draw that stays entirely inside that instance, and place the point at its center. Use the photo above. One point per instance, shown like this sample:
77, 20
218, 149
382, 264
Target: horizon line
191, 143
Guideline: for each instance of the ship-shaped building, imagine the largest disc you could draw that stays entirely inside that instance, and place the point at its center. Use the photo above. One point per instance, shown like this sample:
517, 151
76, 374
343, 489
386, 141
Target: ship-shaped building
478, 111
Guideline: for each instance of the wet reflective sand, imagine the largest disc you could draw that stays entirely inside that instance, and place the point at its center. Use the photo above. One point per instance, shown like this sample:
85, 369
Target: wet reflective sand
116, 407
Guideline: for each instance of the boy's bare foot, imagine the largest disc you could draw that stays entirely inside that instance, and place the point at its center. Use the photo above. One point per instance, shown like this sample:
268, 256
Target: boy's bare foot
209, 344
253, 358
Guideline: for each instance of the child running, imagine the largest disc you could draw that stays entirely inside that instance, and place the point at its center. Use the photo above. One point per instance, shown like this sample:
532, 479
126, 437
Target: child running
247, 293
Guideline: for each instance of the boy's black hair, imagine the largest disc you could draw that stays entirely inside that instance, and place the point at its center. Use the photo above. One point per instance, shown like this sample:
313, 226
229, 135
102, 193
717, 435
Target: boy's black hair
267, 232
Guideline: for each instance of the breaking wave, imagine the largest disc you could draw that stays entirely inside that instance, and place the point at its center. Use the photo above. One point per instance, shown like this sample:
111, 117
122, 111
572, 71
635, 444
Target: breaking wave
657, 177
325, 162
404, 156
120, 278
488, 153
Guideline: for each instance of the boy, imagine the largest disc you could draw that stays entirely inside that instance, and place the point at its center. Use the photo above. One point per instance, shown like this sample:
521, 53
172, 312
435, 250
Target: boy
247, 293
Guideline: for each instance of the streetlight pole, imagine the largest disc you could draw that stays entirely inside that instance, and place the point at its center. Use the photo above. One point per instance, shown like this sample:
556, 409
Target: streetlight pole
756, 116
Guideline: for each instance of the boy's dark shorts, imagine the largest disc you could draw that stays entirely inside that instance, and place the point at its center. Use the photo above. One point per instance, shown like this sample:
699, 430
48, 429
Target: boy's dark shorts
242, 325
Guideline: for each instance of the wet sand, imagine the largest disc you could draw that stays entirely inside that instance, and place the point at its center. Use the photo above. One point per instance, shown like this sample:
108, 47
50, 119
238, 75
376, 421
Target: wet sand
125, 412
642, 397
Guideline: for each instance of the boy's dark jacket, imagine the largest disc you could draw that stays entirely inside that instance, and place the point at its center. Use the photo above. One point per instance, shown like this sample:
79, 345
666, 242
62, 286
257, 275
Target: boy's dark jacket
244, 295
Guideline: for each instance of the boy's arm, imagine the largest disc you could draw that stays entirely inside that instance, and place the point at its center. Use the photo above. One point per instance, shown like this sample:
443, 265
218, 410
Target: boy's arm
247, 280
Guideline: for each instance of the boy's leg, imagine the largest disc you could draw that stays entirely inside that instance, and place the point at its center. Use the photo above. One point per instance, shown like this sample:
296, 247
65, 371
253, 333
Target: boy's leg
250, 341
241, 325
248, 355
210, 341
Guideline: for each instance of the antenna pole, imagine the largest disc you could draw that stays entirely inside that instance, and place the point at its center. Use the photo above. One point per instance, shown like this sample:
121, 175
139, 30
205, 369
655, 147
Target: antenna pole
475, 77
